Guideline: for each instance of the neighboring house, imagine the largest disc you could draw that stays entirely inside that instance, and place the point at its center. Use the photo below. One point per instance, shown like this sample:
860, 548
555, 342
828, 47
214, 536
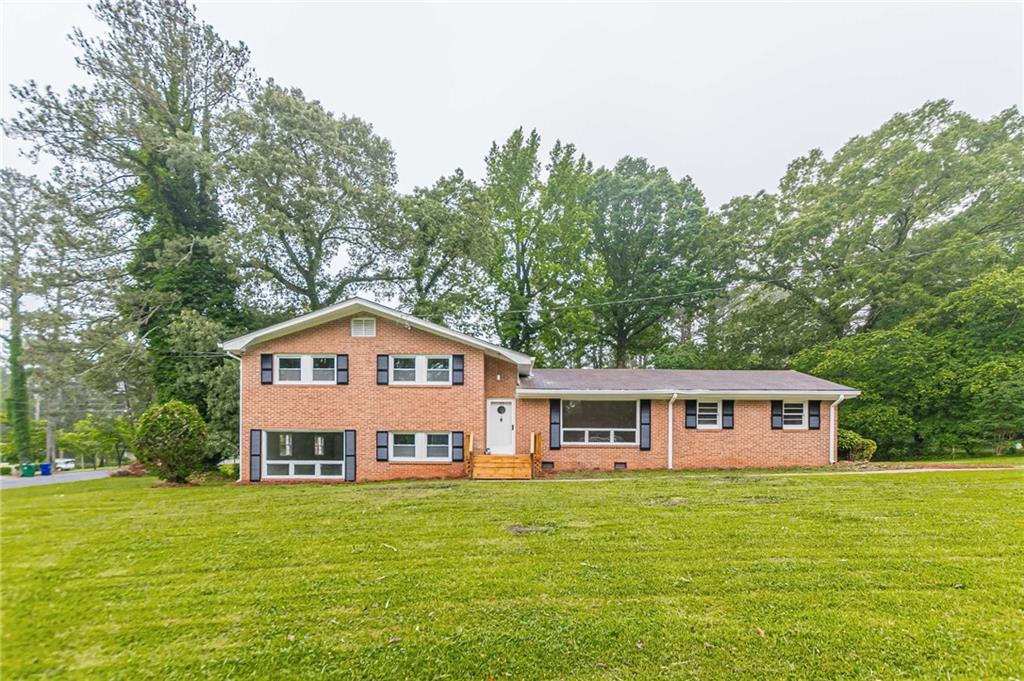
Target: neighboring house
359, 391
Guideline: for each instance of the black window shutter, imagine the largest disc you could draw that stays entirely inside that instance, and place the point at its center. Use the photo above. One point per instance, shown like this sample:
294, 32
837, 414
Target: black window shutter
691, 413
382, 445
776, 414
814, 415
727, 410
645, 424
458, 447
382, 370
341, 368
555, 435
458, 369
350, 455
266, 369
255, 455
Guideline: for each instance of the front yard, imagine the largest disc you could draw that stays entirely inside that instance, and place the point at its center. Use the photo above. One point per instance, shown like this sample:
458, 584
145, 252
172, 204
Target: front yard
711, 575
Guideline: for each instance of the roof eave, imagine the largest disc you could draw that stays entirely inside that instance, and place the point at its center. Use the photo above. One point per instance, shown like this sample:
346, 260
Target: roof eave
570, 393
240, 344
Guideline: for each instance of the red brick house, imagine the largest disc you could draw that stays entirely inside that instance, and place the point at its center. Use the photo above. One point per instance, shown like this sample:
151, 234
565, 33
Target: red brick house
359, 391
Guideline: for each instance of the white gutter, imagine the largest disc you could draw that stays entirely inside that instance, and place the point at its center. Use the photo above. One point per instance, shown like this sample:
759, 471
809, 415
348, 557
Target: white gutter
241, 441
833, 413
671, 428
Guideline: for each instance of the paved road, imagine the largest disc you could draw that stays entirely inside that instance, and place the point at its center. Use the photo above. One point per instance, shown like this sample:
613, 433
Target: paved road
9, 482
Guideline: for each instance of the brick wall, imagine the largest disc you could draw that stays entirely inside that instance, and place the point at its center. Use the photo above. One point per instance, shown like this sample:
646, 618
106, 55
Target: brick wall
750, 444
533, 416
366, 407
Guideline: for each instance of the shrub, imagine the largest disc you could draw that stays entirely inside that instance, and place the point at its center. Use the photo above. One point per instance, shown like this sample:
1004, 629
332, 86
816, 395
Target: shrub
171, 440
854, 447
5, 470
229, 471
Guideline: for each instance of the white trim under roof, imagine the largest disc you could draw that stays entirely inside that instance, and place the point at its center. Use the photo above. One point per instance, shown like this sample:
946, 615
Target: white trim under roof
357, 305
752, 394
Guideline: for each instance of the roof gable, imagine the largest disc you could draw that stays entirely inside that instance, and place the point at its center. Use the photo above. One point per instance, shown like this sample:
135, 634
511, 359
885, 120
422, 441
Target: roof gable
356, 305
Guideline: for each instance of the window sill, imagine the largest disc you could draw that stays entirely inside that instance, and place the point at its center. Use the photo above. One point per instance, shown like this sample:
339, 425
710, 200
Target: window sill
711, 428
795, 428
416, 385
567, 445
419, 461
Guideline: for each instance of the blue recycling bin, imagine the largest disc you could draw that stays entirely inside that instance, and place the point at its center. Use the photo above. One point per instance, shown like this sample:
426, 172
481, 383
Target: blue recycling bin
45, 469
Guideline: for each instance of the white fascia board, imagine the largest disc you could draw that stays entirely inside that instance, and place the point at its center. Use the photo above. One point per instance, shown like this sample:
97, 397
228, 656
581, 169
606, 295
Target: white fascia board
667, 394
356, 305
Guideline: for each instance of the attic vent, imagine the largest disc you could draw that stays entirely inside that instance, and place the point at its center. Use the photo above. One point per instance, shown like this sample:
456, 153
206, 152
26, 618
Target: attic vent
620, 465
364, 326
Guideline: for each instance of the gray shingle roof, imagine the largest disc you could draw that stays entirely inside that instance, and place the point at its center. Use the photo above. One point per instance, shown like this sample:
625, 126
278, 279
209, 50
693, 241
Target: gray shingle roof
676, 380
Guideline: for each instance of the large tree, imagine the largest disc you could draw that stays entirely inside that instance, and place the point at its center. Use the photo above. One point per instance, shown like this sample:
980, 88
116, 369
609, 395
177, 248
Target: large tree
136, 146
541, 215
312, 198
449, 242
648, 234
885, 227
20, 217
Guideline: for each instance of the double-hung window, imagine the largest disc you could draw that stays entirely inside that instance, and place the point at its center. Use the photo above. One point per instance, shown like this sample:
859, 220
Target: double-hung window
323, 368
289, 369
599, 421
306, 368
421, 369
403, 369
794, 415
421, 446
709, 415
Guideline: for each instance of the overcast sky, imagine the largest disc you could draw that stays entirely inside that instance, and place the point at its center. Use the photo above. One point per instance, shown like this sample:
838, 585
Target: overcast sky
725, 93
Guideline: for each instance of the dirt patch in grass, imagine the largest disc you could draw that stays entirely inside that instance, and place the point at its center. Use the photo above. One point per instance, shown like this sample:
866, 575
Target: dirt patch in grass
668, 501
168, 483
529, 529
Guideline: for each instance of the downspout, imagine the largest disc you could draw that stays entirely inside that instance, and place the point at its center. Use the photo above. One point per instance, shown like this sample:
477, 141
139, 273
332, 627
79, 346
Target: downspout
240, 439
833, 413
671, 428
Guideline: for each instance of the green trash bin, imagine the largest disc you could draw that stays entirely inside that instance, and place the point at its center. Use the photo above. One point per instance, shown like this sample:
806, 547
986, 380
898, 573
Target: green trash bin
28, 470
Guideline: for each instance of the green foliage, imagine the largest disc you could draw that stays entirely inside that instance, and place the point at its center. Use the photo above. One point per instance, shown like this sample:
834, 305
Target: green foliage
312, 198
12, 453
539, 269
853, 447
948, 377
170, 439
20, 219
449, 243
647, 233
99, 440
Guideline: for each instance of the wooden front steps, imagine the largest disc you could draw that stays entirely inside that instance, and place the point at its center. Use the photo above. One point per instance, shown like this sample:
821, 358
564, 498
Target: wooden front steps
502, 467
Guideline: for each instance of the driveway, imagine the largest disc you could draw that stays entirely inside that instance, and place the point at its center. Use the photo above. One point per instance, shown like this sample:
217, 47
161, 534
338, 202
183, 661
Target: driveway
10, 482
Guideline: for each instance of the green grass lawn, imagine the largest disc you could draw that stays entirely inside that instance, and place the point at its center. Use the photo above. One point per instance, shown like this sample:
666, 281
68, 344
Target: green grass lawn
715, 575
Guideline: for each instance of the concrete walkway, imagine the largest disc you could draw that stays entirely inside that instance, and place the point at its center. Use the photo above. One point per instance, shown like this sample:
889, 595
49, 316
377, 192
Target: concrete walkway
10, 482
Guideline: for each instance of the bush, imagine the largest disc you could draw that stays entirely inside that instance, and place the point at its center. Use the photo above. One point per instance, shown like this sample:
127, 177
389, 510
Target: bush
229, 471
171, 440
854, 447
5, 470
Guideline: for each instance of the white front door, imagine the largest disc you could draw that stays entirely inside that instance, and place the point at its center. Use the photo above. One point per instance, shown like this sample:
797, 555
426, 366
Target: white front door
501, 426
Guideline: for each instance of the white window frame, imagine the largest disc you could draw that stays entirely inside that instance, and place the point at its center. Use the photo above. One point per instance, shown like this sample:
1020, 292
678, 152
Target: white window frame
803, 423
305, 369
420, 440
717, 425
363, 323
266, 463
277, 369
334, 368
391, 369
611, 431
421, 370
